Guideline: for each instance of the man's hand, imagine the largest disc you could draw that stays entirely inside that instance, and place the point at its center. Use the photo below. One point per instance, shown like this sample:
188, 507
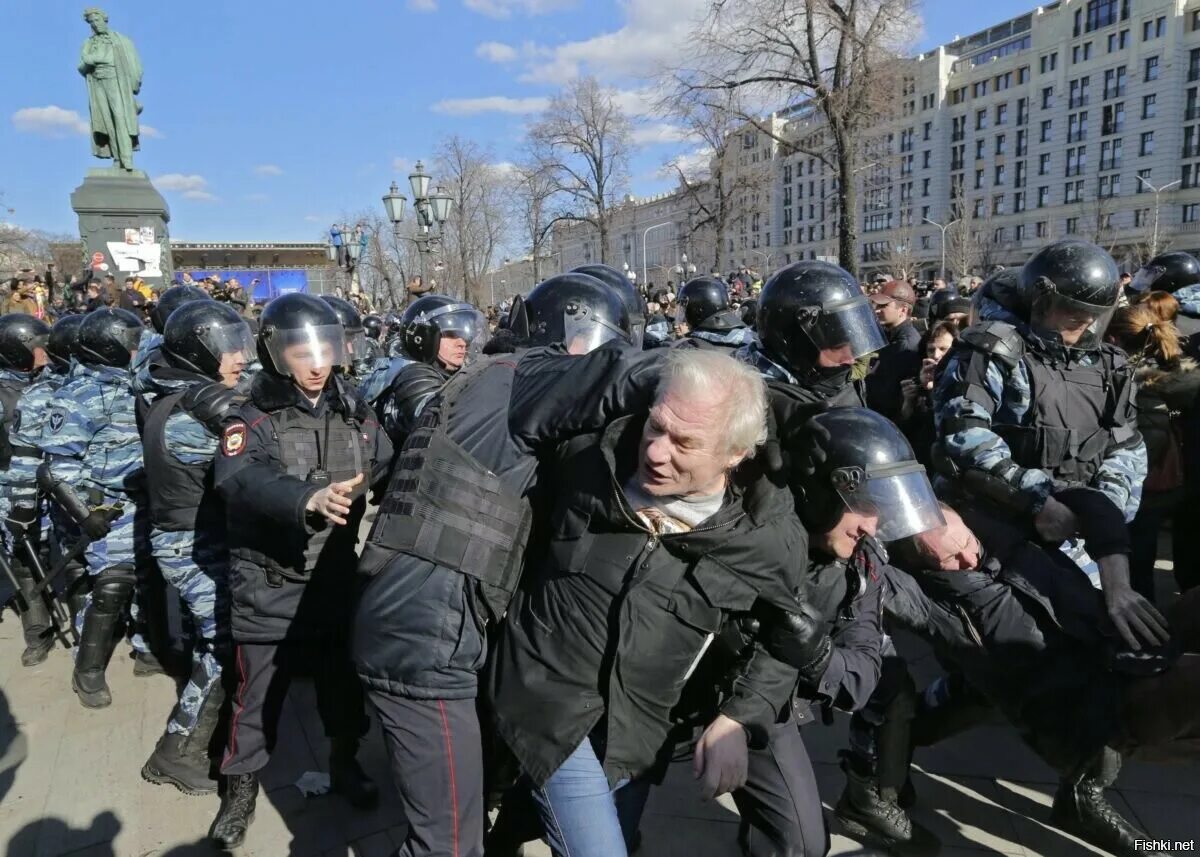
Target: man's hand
722, 761
1056, 523
96, 525
1132, 614
333, 501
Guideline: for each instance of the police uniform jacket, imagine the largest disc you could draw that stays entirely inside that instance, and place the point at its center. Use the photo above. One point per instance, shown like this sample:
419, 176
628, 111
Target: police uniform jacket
292, 573
613, 618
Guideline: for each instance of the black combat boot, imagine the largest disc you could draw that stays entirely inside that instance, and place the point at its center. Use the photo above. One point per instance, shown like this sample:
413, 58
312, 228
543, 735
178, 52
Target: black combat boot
874, 815
228, 830
77, 587
1081, 809
98, 640
145, 664
183, 761
346, 776
35, 618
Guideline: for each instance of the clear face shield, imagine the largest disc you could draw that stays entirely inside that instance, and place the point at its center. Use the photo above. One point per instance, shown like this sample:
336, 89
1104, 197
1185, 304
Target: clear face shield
234, 340
849, 327
308, 349
1145, 278
899, 495
356, 344
584, 331
460, 323
1080, 325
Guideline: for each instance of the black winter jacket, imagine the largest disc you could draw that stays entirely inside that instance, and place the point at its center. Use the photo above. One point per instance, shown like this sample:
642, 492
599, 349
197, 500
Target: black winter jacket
612, 621
898, 360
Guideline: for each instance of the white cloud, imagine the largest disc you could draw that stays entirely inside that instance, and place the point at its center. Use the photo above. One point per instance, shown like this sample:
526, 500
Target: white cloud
656, 34
315, 218
199, 195
151, 131
490, 104
503, 168
422, 5
496, 52
50, 121
192, 187
695, 165
506, 8
401, 165
267, 170
659, 133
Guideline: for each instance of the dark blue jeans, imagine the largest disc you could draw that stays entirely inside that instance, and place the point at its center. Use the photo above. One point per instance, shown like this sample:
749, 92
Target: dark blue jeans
583, 815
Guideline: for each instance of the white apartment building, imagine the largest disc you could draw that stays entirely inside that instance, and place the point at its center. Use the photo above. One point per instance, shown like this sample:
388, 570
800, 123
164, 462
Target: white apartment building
1054, 123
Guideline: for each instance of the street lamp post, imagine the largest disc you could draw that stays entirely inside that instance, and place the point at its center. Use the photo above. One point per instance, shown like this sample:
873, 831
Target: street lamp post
1156, 191
685, 270
433, 210
943, 228
649, 229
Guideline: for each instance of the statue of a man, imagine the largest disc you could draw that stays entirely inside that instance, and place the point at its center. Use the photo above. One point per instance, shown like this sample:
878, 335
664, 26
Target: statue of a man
113, 72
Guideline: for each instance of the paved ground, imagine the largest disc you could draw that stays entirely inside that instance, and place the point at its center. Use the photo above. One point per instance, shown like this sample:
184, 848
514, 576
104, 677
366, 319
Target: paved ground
69, 784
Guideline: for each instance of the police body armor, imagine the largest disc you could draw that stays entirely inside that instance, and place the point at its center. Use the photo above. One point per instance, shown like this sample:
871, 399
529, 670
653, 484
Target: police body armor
318, 448
1078, 413
180, 495
10, 393
444, 506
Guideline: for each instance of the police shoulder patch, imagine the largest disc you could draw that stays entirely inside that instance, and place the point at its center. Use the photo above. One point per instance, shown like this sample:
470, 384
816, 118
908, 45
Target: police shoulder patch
56, 420
233, 439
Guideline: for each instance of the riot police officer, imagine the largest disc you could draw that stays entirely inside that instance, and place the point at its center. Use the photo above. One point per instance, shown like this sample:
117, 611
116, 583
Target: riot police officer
1179, 274
93, 469
635, 305
814, 327
170, 300
293, 468
711, 321
438, 335
357, 351
206, 346
444, 554
23, 341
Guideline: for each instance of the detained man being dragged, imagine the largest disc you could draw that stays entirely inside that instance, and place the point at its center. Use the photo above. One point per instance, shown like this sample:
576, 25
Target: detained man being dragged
655, 537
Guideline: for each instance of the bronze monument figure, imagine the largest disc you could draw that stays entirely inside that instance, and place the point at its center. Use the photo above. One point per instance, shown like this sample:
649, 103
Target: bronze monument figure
113, 71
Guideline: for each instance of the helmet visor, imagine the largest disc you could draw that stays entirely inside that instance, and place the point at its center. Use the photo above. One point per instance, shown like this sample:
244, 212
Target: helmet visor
1080, 325
234, 339
584, 331
1146, 277
852, 323
307, 348
900, 496
461, 321
637, 331
356, 344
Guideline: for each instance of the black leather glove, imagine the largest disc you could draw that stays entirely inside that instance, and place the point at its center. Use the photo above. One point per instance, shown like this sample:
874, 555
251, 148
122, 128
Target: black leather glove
791, 436
1101, 523
96, 525
797, 639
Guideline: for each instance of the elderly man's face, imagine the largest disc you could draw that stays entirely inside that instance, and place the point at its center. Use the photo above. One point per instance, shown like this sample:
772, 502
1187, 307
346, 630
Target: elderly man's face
950, 548
846, 533
683, 451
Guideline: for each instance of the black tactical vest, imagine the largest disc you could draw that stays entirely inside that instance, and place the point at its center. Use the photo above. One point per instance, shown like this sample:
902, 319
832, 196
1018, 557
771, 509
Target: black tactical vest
1078, 413
444, 506
308, 443
10, 392
176, 491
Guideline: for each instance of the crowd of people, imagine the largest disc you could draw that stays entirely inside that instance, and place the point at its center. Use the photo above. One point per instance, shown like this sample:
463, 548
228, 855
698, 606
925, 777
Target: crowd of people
614, 525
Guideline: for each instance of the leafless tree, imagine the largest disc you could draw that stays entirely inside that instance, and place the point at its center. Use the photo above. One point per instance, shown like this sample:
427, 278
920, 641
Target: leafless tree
584, 140
720, 189
477, 223
533, 190
900, 258
839, 55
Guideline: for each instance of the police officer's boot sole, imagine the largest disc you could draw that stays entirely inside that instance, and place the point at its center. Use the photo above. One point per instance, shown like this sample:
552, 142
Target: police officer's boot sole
172, 765
92, 691
34, 655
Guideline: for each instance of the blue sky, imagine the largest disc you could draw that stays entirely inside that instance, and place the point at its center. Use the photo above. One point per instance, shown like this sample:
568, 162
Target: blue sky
268, 119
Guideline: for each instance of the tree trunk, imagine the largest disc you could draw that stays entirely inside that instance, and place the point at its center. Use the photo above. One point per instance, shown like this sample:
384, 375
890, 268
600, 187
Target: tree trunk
847, 203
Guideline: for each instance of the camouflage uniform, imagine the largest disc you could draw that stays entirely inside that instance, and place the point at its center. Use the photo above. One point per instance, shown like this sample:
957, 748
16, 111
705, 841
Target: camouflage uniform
91, 441
383, 371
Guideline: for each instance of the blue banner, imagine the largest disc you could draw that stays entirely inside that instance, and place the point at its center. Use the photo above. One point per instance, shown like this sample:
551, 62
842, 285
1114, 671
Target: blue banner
271, 282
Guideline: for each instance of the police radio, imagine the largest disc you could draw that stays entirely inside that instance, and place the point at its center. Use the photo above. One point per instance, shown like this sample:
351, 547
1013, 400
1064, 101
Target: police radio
319, 475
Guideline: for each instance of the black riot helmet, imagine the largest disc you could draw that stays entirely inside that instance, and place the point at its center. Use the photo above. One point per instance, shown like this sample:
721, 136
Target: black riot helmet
810, 307
20, 334
429, 319
200, 333
622, 285
108, 337
700, 299
1167, 272
574, 310
1002, 288
352, 323
64, 338
373, 326
301, 327
170, 300
869, 468
1072, 289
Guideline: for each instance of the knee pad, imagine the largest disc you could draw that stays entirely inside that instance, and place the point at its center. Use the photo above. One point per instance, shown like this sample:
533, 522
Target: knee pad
112, 589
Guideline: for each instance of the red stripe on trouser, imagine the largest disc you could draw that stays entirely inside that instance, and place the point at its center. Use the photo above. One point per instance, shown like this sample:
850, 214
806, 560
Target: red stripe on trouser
241, 701
453, 783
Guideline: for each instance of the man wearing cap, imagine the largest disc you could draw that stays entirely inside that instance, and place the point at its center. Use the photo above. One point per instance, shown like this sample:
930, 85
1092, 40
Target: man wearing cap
901, 357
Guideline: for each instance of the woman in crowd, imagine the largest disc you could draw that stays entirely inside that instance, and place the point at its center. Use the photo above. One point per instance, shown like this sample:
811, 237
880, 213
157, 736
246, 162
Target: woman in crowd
916, 412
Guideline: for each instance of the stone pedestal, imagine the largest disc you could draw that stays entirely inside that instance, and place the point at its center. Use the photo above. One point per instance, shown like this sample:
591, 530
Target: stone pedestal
123, 218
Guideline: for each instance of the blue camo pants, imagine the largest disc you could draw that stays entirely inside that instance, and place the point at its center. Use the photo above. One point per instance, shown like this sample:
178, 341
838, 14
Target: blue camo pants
201, 583
116, 549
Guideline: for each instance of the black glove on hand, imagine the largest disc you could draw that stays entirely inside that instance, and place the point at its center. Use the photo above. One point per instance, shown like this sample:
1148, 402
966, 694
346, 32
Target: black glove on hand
790, 435
797, 639
96, 525
1101, 524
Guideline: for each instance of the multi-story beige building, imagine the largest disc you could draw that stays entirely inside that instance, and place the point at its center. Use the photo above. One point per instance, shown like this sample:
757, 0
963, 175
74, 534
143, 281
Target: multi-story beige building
1062, 121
